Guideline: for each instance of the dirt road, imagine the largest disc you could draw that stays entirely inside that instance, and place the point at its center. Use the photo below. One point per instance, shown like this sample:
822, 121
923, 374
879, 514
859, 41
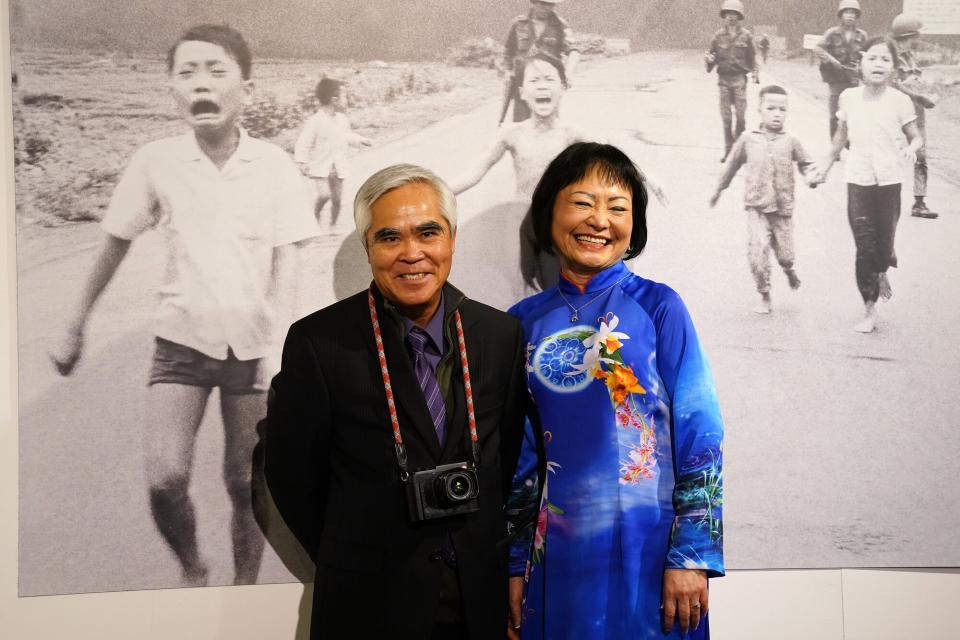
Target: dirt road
840, 446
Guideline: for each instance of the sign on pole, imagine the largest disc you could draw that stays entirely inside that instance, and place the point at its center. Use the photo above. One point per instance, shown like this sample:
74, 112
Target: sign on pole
810, 40
939, 17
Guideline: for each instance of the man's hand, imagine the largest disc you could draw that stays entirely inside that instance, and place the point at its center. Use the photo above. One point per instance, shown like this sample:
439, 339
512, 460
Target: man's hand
67, 351
685, 598
709, 58
515, 616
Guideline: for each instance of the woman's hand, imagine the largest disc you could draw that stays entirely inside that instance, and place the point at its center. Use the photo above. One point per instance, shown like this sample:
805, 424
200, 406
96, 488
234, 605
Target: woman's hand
685, 598
515, 616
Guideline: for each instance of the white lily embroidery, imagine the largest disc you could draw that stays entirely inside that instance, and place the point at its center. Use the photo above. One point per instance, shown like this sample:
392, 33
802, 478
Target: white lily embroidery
607, 339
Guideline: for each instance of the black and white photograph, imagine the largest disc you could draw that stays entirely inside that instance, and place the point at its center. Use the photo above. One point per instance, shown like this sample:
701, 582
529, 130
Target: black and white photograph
802, 159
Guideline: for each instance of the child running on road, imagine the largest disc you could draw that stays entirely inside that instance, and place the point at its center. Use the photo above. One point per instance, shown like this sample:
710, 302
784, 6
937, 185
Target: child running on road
768, 153
229, 209
880, 123
321, 148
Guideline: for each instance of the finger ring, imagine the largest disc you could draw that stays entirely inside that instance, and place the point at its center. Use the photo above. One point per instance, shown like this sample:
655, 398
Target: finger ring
695, 605
516, 626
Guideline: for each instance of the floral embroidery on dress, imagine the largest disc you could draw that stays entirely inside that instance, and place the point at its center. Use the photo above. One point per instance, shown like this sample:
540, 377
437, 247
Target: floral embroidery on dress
603, 361
546, 508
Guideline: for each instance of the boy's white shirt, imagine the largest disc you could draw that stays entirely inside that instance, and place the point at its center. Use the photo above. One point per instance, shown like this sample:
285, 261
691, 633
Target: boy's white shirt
219, 228
323, 144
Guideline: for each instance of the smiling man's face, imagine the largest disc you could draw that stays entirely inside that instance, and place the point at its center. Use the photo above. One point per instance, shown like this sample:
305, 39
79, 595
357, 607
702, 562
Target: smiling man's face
208, 86
410, 249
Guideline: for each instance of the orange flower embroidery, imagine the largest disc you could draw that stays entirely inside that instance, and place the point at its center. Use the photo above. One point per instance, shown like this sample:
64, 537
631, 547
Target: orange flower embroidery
611, 344
621, 382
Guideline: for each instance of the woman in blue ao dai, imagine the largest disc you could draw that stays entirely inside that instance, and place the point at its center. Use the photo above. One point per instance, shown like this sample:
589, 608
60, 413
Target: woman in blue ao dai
629, 525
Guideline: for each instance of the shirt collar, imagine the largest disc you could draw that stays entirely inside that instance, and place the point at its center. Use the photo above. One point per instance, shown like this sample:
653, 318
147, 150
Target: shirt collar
767, 133
434, 328
602, 280
190, 150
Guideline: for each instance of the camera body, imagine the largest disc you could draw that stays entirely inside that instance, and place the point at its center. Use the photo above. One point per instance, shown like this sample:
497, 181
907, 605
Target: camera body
446, 490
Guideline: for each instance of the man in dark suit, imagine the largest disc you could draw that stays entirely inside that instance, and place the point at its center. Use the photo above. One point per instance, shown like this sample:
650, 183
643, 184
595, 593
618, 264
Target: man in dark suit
371, 391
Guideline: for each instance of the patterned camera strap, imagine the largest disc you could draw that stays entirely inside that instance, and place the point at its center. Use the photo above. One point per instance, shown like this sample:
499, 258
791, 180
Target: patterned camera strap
388, 387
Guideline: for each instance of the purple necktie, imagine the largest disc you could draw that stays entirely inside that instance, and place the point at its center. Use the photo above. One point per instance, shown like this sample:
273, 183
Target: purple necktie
417, 342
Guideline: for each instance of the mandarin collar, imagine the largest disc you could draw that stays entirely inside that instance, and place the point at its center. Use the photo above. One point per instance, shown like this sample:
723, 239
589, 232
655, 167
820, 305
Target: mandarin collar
602, 280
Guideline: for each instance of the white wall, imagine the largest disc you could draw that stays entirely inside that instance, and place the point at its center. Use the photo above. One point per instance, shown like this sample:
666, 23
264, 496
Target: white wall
839, 604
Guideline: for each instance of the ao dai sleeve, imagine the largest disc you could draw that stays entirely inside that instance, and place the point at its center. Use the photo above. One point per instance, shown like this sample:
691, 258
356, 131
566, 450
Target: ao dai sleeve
523, 503
696, 540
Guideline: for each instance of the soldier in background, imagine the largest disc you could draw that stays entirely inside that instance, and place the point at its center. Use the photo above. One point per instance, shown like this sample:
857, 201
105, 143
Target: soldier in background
541, 30
839, 53
733, 53
905, 31
763, 46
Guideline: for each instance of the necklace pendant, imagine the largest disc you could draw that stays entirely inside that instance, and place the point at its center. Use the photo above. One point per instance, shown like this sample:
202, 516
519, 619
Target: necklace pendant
574, 317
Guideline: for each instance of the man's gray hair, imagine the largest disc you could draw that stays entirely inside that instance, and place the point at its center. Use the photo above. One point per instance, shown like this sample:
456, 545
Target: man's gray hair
393, 177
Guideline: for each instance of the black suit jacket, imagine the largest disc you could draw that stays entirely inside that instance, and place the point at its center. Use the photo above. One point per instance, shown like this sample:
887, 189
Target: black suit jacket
332, 471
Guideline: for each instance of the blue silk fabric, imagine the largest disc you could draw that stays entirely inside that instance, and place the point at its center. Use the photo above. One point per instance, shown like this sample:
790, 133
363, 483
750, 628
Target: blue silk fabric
633, 439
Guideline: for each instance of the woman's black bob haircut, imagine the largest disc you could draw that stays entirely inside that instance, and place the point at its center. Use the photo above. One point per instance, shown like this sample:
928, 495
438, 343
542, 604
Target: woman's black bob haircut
572, 165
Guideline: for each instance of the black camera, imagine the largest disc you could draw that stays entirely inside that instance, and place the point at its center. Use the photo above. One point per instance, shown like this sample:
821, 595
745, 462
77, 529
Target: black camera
447, 490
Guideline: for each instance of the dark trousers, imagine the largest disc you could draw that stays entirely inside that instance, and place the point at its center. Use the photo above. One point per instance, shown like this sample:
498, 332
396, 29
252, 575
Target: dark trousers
449, 624
873, 212
733, 95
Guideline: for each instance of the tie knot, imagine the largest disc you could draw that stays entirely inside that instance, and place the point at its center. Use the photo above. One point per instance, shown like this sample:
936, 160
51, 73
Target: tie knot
417, 340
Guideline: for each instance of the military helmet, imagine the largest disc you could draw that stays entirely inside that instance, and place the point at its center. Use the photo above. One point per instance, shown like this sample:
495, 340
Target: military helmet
732, 5
846, 5
905, 25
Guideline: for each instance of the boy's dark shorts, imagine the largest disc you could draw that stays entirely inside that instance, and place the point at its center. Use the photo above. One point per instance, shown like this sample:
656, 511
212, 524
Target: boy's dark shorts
175, 363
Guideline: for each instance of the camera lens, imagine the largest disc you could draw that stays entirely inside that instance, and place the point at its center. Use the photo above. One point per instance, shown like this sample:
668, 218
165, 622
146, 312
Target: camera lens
457, 486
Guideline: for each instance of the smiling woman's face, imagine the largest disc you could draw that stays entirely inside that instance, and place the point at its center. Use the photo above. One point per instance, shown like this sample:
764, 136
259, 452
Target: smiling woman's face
592, 223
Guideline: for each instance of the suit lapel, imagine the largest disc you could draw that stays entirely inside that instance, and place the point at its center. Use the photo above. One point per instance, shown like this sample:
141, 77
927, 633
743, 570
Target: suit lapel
458, 430
413, 413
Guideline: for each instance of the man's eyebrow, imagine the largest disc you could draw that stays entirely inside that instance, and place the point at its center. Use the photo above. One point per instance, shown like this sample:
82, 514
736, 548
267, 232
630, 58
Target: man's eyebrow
385, 232
432, 225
